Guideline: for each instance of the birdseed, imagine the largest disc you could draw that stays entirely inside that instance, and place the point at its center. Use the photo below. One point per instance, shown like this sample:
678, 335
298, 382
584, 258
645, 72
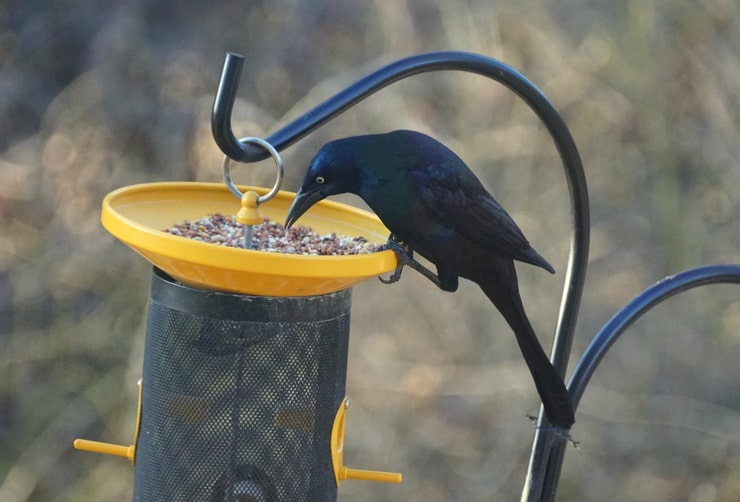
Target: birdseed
271, 236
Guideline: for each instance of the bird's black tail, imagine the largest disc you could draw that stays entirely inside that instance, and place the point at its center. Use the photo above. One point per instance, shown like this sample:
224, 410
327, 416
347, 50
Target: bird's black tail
550, 386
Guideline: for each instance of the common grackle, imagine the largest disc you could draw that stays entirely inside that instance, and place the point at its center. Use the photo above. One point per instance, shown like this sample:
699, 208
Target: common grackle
434, 205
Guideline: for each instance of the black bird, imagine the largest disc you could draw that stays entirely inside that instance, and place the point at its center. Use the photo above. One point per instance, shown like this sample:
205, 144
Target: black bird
434, 205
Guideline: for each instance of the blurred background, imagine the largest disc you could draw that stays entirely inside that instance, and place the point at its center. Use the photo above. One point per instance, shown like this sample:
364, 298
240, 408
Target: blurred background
98, 95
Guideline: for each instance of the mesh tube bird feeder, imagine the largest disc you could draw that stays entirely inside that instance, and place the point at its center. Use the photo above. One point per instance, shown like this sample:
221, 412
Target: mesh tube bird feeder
240, 394
243, 389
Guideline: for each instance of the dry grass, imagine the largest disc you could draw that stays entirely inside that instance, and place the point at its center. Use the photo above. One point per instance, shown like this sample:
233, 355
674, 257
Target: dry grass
98, 98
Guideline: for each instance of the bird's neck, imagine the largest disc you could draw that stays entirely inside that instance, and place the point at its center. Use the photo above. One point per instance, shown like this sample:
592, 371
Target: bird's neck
388, 197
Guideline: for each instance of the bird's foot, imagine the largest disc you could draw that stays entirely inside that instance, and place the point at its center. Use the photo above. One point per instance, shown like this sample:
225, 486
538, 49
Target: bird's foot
403, 255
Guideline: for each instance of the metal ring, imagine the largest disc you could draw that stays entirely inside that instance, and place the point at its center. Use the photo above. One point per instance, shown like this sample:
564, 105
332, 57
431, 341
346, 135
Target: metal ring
278, 163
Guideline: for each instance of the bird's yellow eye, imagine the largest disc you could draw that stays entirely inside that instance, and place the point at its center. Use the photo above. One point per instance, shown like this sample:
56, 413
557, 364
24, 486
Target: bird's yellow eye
320, 179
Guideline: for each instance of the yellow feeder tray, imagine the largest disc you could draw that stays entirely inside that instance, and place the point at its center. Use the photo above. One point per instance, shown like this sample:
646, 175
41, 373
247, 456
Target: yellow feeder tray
138, 214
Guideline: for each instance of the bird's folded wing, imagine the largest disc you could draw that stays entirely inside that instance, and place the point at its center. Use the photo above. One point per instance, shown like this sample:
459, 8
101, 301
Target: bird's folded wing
471, 211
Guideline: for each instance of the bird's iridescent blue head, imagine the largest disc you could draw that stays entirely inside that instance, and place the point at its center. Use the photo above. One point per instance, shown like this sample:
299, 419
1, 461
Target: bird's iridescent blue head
332, 171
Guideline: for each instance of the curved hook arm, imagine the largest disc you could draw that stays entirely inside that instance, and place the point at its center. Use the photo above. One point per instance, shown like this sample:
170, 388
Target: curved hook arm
462, 61
603, 341
627, 315
223, 106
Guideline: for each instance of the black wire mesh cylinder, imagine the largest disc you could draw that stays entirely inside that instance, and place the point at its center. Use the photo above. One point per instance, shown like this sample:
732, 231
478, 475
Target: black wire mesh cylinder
239, 395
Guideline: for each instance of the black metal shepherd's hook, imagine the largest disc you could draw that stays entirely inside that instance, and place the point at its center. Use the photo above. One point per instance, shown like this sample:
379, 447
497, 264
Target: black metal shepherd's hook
549, 446
546, 440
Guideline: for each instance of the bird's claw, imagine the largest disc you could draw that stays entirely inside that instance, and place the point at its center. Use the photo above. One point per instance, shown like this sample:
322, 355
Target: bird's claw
404, 255
395, 277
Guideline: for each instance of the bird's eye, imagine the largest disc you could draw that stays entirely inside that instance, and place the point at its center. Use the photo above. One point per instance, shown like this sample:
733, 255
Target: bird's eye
320, 179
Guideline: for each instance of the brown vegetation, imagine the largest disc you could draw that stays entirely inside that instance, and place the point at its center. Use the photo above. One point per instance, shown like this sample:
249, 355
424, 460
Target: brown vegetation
93, 98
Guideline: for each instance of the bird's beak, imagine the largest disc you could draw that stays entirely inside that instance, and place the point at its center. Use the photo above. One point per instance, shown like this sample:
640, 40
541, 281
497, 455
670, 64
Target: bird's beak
302, 202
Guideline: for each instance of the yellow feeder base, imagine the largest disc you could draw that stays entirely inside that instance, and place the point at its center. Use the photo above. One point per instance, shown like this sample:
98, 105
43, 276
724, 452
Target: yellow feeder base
138, 214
